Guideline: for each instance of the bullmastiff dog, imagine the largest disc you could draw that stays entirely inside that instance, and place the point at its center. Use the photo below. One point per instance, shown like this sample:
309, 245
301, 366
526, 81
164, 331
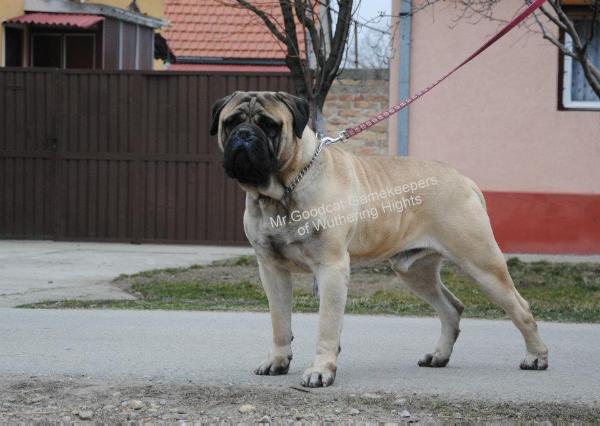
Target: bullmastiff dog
319, 209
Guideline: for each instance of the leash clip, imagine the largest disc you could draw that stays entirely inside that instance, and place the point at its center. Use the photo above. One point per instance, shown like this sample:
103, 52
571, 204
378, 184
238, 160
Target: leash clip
326, 140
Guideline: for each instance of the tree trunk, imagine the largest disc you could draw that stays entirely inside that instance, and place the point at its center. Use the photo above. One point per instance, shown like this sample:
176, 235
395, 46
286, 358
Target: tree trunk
588, 72
319, 123
317, 119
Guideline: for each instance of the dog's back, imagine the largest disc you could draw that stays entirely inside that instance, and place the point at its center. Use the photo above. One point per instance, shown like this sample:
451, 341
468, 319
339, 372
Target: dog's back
401, 201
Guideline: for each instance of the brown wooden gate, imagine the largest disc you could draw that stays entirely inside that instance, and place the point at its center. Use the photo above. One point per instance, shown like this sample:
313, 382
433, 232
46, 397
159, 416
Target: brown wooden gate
118, 156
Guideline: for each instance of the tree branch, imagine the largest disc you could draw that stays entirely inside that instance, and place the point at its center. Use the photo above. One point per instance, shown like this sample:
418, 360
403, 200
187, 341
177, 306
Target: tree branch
568, 24
298, 66
546, 35
265, 18
339, 39
309, 24
552, 18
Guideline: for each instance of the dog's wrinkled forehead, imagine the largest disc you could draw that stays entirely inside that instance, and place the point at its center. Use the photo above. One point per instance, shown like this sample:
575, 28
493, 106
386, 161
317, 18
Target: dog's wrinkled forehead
253, 103
276, 105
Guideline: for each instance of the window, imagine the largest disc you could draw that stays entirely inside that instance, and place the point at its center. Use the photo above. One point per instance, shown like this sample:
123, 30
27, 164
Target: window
577, 92
80, 51
47, 51
71, 51
14, 47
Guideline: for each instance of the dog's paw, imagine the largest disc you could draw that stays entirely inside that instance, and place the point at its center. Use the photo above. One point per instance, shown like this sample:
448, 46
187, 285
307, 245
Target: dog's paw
433, 360
274, 366
316, 377
534, 362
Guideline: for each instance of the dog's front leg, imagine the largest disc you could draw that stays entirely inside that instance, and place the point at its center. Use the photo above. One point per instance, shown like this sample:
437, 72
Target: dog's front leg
277, 283
332, 280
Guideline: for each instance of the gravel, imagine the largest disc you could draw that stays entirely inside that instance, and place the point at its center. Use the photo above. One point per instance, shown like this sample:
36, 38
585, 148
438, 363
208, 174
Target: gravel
135, 404
247, 408
267, 404
86, 414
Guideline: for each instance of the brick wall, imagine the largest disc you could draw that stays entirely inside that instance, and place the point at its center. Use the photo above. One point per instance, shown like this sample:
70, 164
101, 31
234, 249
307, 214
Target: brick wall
354, 97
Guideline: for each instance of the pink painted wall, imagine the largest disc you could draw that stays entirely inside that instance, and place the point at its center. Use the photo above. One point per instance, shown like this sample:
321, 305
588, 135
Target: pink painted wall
496, 120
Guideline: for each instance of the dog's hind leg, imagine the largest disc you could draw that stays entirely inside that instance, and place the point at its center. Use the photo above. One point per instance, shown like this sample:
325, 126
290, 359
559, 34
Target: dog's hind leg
478, 254
494, 280
422, 277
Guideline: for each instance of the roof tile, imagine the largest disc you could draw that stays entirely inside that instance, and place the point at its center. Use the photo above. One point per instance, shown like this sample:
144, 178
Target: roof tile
58, 19
222, 29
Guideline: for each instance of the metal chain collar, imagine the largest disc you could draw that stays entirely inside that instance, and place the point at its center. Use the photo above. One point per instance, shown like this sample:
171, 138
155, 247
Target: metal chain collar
323, 141
289, 188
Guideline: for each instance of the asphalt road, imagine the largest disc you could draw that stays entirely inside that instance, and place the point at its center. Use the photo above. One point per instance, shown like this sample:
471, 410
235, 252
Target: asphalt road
379, 353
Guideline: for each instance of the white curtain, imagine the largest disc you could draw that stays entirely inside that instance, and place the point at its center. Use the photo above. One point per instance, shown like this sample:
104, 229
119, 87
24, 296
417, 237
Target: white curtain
580, 88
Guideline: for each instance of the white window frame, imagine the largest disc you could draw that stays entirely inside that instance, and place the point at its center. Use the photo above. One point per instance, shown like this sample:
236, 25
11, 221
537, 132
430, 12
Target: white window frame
3, 58
120, 65
137, 47
567, 100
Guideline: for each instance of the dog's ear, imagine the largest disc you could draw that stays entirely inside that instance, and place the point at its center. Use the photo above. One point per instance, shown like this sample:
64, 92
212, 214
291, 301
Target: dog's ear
299, 109
216, 112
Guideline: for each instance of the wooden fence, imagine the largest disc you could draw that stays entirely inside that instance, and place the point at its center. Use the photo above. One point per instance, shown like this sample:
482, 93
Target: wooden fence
118, 156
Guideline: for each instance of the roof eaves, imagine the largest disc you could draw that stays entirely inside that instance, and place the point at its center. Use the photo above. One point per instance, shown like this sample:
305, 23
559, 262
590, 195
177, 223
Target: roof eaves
59, 6
229, 61
57, 20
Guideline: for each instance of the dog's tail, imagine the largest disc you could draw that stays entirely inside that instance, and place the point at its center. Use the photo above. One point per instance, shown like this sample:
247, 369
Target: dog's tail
477, 192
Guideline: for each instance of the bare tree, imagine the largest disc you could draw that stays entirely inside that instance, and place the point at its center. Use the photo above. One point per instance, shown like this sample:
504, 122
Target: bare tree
578, 47
369, 46
375, 49
324, 40
554, 23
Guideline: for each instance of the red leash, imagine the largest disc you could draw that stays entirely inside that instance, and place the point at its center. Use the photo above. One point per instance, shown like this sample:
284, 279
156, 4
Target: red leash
353, 131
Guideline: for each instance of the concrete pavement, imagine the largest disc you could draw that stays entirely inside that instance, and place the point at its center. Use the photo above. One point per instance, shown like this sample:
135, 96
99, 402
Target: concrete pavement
555, 258
33, 271
379, 353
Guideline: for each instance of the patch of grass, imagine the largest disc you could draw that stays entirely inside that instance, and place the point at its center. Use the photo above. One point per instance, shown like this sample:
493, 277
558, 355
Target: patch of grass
555, 291
152, 272
244, 260
177, 296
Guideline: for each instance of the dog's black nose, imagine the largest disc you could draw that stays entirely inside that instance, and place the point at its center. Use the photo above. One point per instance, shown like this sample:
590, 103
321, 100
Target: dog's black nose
243, 133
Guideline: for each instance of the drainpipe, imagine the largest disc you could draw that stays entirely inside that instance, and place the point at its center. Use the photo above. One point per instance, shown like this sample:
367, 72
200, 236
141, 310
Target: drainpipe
404, 77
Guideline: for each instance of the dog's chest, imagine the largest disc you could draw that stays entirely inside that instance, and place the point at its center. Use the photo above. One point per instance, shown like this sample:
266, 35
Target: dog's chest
274, 234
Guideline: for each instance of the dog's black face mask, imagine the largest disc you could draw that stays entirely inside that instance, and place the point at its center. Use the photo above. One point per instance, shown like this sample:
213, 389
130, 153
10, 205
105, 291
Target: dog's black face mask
249, 154
251, 134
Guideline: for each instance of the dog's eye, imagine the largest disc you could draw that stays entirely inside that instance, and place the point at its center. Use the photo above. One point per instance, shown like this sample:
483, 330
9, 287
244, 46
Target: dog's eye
233, 120
270, 127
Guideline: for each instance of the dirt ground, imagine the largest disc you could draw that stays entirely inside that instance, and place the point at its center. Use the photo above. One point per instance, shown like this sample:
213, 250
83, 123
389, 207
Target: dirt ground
74, 400
363, 281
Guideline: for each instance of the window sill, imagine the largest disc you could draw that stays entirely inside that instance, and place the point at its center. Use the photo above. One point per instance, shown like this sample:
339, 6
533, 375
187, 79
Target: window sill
580, 106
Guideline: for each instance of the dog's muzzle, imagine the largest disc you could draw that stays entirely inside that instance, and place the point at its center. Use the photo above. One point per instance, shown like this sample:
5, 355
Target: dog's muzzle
247, 156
